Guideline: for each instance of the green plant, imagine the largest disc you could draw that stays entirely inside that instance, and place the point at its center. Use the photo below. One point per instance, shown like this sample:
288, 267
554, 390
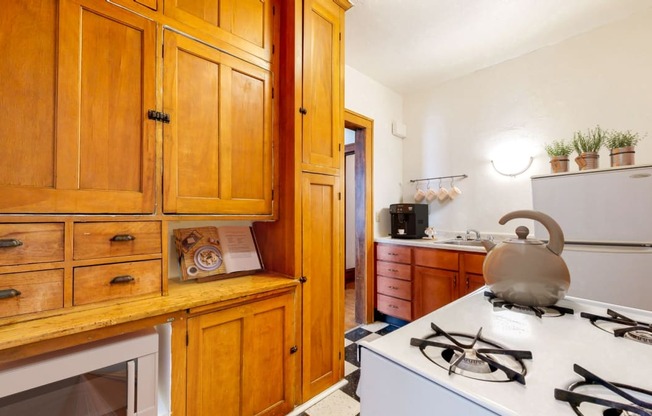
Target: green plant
592, 141
558, 148
622, 139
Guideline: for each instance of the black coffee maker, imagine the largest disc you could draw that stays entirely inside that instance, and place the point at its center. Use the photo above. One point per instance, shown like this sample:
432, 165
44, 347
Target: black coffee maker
408, 220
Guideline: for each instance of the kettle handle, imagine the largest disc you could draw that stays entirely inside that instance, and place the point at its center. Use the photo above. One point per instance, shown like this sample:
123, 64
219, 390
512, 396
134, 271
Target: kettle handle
556, 242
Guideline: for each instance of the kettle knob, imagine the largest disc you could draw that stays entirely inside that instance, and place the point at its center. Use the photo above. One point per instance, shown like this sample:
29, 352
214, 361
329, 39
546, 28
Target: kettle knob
522, 232
556, 242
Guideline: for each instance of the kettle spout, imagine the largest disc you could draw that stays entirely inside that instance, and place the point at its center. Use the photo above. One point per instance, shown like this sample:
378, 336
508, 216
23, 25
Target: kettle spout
488, 245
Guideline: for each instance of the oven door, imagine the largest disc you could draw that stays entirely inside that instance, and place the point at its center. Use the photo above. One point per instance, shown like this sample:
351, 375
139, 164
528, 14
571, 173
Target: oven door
110, 377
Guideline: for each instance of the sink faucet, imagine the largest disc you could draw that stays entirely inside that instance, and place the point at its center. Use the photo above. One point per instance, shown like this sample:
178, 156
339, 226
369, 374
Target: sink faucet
468, 234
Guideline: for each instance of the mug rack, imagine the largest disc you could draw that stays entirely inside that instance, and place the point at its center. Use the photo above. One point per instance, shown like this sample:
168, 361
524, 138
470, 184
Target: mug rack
439, 178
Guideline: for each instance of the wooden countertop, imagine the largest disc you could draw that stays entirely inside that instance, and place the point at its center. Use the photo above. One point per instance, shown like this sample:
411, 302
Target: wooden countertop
28, 335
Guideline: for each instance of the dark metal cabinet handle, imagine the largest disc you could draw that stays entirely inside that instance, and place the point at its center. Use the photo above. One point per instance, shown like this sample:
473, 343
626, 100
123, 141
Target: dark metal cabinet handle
393, 306
123, 237
9, 293
303, 110
10, 242
393, 287
393, 270
122, 279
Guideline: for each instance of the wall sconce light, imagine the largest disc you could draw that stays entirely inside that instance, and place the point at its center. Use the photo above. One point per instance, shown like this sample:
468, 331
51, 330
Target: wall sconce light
511, 167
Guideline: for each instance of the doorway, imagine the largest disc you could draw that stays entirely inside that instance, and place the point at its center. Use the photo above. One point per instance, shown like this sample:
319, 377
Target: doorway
360, 300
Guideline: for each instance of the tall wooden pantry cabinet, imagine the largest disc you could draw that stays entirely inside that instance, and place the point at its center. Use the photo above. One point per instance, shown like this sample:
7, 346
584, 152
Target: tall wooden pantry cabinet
307, 241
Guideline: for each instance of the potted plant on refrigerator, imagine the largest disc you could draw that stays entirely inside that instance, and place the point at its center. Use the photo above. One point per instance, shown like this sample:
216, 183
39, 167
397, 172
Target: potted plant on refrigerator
621, 145
587, 147
558, 151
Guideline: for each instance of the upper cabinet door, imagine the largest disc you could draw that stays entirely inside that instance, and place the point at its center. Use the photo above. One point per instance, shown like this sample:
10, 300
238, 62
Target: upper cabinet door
218, 145
77, 82
322, 87
246, 24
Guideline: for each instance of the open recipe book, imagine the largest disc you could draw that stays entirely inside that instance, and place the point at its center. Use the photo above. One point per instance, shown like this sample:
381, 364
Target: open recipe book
210, 253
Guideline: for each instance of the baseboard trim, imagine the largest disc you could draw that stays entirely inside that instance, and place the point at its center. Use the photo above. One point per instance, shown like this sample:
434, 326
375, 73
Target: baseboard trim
305, 406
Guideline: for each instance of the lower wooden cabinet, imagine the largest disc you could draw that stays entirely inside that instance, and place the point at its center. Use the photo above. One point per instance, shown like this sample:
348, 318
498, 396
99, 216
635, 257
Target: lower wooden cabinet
241, 360
433, 288
412, 282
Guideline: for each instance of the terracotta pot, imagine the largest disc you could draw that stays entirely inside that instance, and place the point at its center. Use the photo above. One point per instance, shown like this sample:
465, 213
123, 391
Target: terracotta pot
558, 164
622, 156
587, 160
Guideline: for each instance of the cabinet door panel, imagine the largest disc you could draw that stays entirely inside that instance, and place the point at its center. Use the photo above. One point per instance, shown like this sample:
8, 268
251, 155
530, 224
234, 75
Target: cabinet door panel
239, 360
218, 144
433, 288
100, 156
323, 291
322, 123
245, 24
27, 92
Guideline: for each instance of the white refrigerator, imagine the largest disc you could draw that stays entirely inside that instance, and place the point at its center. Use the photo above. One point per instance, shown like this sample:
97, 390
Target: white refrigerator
606, 216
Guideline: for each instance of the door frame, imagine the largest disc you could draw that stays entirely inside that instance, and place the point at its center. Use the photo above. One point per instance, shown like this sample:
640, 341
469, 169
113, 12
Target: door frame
364, 233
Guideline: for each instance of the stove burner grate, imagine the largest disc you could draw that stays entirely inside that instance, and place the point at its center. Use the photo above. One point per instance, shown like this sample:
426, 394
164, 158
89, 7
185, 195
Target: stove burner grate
472, 356
604, 399
621, 326
551, 311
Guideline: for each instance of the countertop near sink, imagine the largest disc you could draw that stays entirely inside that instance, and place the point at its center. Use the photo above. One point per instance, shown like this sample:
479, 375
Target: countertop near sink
437, 243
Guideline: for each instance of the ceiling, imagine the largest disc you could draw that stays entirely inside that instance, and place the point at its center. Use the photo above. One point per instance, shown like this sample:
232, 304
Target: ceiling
407, 45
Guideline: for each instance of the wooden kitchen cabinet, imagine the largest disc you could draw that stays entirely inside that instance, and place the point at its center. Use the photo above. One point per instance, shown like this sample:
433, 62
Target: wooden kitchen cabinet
394, 280
241, 360
436, 275
246, 24
218, 144
323, 290
432, 277
471, 277
79, 140
322, 106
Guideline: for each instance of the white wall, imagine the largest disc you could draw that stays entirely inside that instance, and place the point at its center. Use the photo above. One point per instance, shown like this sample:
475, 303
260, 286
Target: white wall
371, 99
601, 77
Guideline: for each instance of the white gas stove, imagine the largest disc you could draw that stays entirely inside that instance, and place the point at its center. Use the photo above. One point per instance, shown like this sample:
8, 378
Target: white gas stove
401, 374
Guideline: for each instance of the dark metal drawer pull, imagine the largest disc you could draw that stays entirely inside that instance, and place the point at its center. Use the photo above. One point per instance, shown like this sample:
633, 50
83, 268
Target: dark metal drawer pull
393, 270
122, 279
393, 287
393, 306
123, 237
10, 242
9, 293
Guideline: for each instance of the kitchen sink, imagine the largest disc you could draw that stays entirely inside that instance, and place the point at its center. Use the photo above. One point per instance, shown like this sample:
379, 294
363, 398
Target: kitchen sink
474, 243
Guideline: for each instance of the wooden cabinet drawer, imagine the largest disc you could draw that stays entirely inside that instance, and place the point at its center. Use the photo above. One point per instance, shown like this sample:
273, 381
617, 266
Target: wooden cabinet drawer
440, 259
29, 292
93, 240
394, 253
31, 243
395, 270
394, 287
394, 307
473, 262
113, 281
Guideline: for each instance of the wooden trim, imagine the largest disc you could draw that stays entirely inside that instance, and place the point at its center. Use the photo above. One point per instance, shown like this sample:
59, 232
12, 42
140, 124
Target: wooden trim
365, 284
349, 275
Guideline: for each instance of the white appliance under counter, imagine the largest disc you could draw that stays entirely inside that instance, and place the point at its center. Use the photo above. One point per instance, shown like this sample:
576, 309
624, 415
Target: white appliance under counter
397, 379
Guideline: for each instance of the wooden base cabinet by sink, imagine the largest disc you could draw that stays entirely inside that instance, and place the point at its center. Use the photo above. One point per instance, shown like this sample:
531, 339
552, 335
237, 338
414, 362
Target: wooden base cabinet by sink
413, 281
241, 360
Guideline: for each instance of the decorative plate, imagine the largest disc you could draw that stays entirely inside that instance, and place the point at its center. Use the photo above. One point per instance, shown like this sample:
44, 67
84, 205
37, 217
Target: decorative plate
208, 258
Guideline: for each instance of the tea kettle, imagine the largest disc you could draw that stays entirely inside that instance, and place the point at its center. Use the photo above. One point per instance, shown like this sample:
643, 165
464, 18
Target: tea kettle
527, 271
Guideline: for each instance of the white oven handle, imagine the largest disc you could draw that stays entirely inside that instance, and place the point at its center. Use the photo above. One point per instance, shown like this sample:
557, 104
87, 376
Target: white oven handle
131, 388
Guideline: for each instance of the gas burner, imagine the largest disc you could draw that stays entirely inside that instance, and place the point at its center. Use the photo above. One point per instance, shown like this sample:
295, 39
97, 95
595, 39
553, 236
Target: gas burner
596, 396
472, 356
621, 326
538, 311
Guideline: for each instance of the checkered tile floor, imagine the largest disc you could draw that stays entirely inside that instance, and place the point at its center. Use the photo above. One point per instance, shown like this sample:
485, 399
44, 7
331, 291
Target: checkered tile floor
344, 402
